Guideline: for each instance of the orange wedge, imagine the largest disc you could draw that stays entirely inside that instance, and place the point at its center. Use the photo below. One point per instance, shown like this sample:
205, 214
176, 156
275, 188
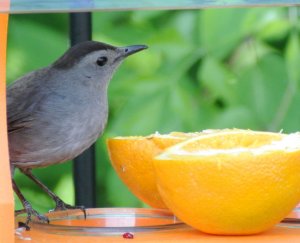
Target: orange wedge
132, 159
234, 182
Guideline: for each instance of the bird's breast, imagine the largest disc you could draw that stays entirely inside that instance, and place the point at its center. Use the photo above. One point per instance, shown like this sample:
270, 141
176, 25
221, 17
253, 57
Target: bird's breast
59, 132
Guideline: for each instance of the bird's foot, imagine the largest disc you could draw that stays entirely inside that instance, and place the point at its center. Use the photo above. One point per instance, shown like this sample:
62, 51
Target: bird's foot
30, 213
61, 205
23, 225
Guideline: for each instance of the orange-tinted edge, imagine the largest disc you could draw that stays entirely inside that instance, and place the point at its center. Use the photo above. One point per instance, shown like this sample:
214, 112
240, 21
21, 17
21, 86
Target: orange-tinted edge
6, 192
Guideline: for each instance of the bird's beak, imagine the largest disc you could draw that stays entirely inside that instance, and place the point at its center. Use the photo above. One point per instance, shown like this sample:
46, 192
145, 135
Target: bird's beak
129, 50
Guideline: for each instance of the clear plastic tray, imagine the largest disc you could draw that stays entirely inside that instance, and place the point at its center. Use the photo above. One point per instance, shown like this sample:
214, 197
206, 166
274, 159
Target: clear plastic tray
109, 221
117, 221
293, 219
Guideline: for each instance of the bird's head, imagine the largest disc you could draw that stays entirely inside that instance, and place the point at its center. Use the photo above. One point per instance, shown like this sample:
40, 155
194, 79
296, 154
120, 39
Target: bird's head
95, 59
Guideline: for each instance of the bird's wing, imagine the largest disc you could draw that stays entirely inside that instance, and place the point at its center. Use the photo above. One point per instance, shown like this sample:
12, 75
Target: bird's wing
23, 96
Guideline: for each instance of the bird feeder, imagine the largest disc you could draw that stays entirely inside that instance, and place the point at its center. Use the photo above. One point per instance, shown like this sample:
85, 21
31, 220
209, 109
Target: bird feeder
7, 219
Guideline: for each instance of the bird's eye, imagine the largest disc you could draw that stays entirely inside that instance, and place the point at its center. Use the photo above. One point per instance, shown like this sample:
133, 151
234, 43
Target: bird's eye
101, 61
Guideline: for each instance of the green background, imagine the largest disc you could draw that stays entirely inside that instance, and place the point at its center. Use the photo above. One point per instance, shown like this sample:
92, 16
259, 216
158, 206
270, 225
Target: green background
219, 68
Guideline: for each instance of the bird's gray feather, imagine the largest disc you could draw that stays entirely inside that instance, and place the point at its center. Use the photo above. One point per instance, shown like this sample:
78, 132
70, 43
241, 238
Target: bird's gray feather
49, 124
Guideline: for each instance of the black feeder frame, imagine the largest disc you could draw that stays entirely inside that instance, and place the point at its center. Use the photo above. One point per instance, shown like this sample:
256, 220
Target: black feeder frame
84, 166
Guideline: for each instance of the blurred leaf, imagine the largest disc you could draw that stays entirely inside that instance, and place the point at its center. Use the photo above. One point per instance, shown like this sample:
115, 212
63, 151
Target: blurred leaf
184, 107
118, 194
260, 20
290, 95
248, 54
55, 21
220, 30
32, 46
217, 79
235, 117
171, 44
120, 28
261, 88
274, 30
292, 56
186, 23
65, 189
140, 116
291, 120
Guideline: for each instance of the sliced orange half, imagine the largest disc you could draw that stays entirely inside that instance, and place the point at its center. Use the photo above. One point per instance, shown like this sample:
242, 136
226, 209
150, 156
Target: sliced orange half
233, 182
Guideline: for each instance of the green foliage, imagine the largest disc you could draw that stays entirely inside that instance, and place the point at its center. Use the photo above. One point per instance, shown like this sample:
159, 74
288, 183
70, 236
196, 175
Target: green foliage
204, 69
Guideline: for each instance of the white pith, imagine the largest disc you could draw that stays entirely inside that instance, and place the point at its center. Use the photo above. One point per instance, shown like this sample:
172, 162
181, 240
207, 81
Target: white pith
288, 143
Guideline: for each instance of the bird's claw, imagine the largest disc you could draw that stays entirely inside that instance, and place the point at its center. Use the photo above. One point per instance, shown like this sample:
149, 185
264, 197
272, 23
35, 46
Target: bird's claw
61, 206
23, 225
30, 212
20, 211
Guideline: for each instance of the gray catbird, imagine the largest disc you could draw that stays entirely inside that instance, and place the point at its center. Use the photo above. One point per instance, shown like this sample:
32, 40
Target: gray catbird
57, 112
